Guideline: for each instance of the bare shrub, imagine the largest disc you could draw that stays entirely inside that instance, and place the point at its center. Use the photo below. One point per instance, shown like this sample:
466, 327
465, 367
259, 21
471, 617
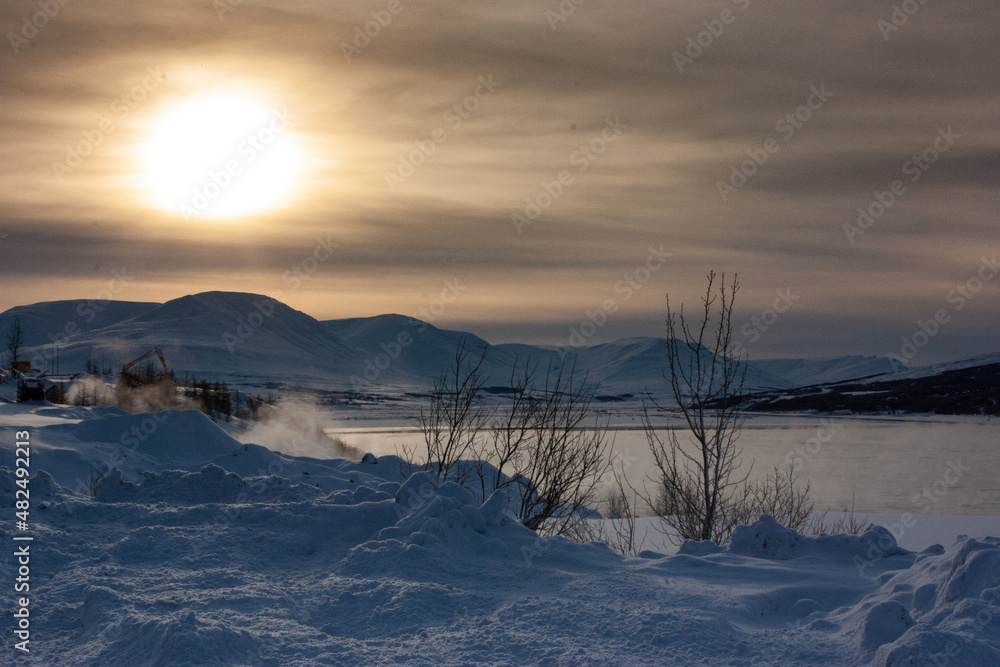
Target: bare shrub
453, 422
695, 489
15, 341
539, 446
563, 459
778, 494
849, 524
618, 530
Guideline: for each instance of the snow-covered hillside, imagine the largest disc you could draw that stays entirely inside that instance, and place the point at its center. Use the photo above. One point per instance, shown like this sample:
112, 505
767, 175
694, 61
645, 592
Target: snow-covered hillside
936, 369
803, 372
51, 321
199, 550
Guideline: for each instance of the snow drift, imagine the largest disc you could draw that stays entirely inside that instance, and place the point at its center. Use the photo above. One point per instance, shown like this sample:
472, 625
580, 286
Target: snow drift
252, 557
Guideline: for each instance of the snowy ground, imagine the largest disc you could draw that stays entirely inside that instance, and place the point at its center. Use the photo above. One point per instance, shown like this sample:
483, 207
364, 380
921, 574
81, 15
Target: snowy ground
206, 551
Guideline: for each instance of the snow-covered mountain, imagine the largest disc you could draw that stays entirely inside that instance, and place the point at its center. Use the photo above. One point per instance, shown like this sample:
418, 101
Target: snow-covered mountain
215, 334
249, 338
627, 366
412, 347
49, 321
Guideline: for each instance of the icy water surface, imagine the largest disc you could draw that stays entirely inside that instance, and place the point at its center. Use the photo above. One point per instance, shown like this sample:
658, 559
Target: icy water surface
923, 465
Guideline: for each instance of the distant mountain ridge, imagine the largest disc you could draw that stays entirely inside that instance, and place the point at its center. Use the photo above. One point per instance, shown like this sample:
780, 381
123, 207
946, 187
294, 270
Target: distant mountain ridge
804, 372
253, 339
954, 390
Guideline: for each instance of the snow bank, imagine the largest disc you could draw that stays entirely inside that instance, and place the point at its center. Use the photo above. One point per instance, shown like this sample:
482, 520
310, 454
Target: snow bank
766, 538
954, 599
252, 557
174, 437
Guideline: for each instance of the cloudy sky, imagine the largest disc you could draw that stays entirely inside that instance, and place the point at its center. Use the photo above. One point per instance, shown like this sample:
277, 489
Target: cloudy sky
533, 162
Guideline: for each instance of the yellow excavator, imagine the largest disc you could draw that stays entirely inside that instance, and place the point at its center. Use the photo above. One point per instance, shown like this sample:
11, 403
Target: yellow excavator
145, 375
144, 386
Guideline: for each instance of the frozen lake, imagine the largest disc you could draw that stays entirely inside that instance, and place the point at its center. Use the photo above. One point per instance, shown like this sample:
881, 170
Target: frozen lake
919, 465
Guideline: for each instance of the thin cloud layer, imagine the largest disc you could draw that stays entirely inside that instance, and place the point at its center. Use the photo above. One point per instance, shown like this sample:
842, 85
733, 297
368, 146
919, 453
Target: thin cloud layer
744, 137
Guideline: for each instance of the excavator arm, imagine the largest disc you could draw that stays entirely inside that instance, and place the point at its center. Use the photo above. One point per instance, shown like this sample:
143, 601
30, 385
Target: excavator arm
158, 390
130, 365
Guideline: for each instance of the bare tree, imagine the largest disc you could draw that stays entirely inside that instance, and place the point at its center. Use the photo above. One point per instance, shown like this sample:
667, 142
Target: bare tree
15, 340
453, 423
697, 484
700, 491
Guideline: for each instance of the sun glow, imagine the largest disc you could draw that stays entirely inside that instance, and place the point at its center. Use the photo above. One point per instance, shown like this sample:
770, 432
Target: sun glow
221, 156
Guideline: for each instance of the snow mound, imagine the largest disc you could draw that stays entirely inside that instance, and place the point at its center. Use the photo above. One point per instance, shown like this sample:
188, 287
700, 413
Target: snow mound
942, 610
184, 640
42, 487
81, 412
975, 569
885, 622
174, 437
766, 538
445, 518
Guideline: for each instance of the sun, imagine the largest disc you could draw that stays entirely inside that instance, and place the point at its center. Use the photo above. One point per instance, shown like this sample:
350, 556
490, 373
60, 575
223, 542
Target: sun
222, 155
